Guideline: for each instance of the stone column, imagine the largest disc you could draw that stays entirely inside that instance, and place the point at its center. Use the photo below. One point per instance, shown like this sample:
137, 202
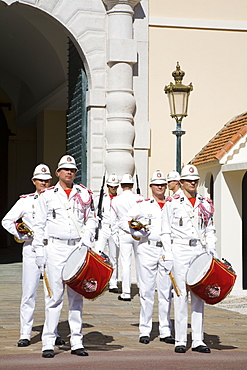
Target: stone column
120, 102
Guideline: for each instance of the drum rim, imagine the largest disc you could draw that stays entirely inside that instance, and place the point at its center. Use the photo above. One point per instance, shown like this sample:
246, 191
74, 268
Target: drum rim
79, 270
198, 256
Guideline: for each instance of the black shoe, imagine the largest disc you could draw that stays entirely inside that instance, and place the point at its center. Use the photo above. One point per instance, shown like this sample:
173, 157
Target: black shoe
202, 349
114, 290
23, 343
124, 299
180, 349
79, 352
48, 353
144, 340
169, 340
59, 341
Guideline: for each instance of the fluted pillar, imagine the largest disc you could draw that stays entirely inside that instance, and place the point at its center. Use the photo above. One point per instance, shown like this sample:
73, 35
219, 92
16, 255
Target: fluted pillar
120, 101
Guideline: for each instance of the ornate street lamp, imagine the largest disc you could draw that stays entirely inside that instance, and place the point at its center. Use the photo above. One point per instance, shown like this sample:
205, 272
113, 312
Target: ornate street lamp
178, 96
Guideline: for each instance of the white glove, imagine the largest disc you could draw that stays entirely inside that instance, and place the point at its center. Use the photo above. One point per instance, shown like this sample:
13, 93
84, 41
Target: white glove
139, 233
40, 262
82, 246
87, 239
168, 265
25, 237
213, 253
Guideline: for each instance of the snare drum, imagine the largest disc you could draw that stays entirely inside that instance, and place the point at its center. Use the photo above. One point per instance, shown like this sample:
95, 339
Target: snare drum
87, 273
209, 278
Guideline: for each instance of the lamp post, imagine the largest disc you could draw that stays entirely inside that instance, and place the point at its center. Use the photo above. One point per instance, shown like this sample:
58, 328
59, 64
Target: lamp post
178, 96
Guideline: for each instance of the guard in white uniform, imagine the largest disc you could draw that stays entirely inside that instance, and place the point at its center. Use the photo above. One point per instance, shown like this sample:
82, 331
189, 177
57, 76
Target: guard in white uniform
151, 265
107, 234
173, 183
25, 209
187, 231
66, 211
121, 204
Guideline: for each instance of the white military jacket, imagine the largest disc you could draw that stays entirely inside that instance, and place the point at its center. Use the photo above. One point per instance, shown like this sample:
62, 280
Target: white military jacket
177, 222
122, 203
107, 208
24, 208
51, 212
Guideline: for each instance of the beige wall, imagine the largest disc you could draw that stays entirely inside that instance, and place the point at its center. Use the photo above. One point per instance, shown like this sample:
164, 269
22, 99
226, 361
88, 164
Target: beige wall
203, 9
214, 60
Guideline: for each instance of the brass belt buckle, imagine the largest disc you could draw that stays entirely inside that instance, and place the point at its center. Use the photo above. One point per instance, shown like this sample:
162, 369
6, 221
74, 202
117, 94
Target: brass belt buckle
159, 244
71, 242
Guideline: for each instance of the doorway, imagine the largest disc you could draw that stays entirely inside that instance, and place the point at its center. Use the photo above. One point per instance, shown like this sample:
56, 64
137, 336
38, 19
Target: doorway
244, 228
4, 174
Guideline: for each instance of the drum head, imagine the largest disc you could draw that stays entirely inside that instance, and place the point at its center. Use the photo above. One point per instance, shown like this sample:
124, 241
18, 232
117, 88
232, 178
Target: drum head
198, 268
74, 263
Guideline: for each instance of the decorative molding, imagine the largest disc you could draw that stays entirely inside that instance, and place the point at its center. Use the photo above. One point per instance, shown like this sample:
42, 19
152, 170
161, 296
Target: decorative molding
112, 3
197, 23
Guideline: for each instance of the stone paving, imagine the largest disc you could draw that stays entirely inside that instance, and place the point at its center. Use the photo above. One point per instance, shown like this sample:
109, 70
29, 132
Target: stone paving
110, 325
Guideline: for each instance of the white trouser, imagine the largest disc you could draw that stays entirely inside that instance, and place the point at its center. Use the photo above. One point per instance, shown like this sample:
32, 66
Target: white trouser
105, 237
183, 255
30, 283
127, 243
151, 270
57, 255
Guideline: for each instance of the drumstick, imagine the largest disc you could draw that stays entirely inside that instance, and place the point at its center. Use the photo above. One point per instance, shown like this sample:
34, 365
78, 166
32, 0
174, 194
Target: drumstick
177, 291
47, 284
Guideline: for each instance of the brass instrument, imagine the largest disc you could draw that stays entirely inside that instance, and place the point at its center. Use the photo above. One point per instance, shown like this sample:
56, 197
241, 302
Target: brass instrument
23, 229
137, 225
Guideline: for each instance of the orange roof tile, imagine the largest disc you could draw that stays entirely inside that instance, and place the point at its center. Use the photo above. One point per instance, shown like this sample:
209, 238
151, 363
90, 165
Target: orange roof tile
223, 141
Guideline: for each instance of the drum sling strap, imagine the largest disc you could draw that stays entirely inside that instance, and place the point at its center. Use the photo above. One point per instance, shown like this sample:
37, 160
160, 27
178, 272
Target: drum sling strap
193, 221
70, 212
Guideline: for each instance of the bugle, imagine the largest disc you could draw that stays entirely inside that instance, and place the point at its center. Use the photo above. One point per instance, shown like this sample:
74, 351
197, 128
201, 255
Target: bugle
137, 225
23, 229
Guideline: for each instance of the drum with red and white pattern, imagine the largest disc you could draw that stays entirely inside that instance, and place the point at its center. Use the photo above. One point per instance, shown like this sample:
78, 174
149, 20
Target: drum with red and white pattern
210, 279
87, 273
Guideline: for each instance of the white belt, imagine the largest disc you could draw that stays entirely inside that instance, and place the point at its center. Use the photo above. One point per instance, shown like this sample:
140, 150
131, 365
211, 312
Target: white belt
190, 242
156, 243
64, 241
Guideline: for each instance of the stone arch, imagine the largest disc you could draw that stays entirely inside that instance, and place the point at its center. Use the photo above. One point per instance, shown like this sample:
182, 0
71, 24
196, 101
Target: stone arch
85, 27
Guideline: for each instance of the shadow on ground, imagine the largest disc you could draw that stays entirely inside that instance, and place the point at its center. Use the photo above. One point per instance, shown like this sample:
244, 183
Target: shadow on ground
95, 340
212, 341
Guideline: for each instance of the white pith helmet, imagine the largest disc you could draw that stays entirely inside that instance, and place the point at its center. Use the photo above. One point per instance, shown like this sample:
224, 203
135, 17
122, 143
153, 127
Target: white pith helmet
158, 178
112, 180
67, 161
189, 172
173, 176
42, 172
127, 179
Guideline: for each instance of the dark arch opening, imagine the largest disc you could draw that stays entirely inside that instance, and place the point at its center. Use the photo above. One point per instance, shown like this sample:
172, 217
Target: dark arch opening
211, 187
244, 232
4, 174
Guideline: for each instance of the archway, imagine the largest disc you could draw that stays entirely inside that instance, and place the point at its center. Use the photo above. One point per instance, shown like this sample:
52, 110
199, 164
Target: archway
36, 74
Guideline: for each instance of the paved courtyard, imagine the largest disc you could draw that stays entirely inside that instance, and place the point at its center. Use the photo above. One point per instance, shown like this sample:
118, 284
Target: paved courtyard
110, 329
